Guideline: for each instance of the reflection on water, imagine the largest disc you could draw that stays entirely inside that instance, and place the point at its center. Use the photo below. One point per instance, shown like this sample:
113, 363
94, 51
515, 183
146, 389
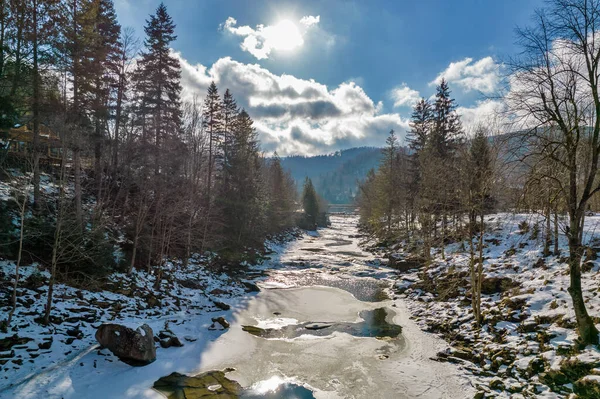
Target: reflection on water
214, 385
363, 289
375, 324
276, 388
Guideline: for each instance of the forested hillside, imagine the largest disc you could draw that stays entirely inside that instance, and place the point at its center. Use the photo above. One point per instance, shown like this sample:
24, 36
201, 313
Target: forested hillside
105, 168
336, 175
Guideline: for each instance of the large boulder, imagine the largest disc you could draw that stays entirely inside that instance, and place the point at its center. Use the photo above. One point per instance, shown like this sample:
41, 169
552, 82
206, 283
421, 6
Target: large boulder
134, 347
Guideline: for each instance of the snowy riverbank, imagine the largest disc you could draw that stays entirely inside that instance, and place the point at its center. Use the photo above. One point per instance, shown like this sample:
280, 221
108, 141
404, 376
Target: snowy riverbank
56, 360
526, 347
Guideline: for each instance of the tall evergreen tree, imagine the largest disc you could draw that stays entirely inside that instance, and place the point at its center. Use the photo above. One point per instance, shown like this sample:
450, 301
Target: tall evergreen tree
243, 195
447, 126
103, 61
213, 124
78, 37
310, 202
43, 39
282, 193
229, 115
158, 81
388, 179
420, 125
127, 43
479, 201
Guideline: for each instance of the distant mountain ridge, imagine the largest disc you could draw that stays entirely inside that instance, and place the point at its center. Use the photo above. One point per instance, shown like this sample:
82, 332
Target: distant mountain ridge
335, 176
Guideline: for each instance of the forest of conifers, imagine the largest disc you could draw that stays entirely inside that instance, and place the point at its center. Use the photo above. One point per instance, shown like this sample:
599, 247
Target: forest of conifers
136, 168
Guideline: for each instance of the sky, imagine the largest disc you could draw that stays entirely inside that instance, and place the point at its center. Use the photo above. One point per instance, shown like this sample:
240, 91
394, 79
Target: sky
320, 76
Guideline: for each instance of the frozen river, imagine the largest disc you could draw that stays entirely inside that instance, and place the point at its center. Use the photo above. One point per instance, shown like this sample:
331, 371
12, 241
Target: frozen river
324, 325
324, 321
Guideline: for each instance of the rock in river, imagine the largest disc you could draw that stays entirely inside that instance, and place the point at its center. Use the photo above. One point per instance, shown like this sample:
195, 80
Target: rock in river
224, 324
134, 347
213, 384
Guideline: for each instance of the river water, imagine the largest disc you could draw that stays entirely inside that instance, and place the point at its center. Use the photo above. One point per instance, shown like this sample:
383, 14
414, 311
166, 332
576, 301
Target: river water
324, 326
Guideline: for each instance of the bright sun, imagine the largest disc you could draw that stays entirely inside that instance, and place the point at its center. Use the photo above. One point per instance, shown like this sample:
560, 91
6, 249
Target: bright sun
285, 35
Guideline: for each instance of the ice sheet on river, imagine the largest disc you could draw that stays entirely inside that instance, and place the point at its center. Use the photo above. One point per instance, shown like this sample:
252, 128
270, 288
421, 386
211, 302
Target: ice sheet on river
337, 365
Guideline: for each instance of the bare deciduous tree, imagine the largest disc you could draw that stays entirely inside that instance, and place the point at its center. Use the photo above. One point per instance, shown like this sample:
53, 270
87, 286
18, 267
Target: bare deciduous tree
554, 93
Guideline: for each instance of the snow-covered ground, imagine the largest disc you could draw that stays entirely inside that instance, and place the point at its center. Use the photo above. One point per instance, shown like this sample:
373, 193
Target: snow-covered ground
63, 360
527, 346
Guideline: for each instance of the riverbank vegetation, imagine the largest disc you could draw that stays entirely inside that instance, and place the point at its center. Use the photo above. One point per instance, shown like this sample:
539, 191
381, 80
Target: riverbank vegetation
106, 167
435, 201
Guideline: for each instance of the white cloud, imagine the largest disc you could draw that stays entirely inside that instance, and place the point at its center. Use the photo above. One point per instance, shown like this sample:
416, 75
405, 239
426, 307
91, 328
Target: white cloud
404, 96
487, 112
483, 75
310, 20
261, 41
296, 116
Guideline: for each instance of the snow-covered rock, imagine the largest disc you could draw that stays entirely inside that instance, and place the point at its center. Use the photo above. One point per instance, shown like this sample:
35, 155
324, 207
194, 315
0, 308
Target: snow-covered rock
134, 347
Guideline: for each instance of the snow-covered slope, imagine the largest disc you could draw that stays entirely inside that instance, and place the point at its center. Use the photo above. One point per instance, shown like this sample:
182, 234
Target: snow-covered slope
527, 346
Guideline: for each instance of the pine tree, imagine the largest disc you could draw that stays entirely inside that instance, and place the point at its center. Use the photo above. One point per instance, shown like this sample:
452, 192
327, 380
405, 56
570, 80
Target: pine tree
213, 124
102, 58
480, 172
229, 114
127, 44
420, 126
243, 196
282, 193
158, 81
366, 200
310, 203
481, 165
447, 127
388, 179
43, 38
442, 145
78, 36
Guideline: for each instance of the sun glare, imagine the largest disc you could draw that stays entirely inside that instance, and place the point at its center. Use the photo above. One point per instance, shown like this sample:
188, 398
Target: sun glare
285, 35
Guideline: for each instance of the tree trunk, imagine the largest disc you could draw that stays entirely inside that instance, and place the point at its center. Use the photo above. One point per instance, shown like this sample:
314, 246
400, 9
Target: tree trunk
57, 240
77, 171
588, 332
133, 253
19, 38
3, 23
119, 110
473, 274
36, 111
19, 255
426, 239
480, 268
98, 159
188, 241
548, 233
556, 249
443, 244
48, 308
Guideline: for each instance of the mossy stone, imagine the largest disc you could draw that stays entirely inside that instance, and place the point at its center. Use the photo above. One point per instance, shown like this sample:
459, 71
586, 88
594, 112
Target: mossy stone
181, 386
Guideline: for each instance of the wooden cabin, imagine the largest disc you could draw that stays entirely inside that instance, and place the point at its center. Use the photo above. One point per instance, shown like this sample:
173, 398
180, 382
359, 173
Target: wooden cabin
19, 144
